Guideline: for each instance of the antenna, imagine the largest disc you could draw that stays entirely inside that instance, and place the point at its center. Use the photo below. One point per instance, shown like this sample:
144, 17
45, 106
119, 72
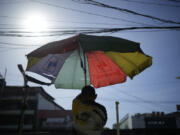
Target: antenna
1, 75
5, 73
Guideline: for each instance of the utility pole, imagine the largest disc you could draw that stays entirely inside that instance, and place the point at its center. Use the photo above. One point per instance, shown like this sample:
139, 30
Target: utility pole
25, 89
117, 117
2, 83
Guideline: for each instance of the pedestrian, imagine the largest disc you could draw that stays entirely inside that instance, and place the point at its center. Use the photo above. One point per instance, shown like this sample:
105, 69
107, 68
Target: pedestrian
89, 116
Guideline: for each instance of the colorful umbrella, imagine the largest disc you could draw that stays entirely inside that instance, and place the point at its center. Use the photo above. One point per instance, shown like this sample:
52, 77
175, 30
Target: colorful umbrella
85, 59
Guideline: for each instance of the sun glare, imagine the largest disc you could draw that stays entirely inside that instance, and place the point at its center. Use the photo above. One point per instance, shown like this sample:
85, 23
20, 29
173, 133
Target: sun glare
35, 23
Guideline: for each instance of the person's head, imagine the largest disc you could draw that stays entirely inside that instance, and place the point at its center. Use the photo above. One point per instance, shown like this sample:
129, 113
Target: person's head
88, 94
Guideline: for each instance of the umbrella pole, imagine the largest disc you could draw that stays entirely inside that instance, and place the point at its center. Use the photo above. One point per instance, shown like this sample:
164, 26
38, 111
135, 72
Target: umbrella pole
85, 75
21, 122
117, 118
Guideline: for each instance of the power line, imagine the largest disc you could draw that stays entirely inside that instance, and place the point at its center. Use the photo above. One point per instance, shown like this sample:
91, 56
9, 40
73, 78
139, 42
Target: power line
53, 28
151, 3
128, 101
12, 49
85, 31
89, 13
135, 101
161, 103
13, 2
174, 0
13, 44
57, 21
153, 103
99, 4
140, 31
136, 28
144, 106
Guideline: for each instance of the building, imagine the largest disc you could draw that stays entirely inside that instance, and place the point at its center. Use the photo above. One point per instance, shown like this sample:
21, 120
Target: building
2, 83
40, 110
55, 120
154, 120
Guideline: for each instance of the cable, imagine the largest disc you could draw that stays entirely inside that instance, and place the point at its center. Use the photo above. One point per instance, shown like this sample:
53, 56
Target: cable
57, 21
89, 13
142, 103
175, 1
7, 47
54, 28
161, 103
13, 44
13, 2
136, 28
140, 100
13, 49
151, 3
135, 101
150, 30
88, 31
99, 4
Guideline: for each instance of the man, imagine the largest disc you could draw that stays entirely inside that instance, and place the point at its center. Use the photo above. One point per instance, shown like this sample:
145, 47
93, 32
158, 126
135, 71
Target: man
89, 116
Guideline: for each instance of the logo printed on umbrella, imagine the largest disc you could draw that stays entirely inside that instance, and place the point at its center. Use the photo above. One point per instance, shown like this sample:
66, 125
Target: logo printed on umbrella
50, 66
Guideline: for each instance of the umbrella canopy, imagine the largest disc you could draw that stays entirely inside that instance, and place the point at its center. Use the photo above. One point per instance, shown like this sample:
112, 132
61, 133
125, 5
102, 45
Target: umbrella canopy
85, 59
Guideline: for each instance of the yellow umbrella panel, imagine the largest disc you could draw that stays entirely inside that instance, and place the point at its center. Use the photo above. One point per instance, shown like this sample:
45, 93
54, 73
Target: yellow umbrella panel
131, 63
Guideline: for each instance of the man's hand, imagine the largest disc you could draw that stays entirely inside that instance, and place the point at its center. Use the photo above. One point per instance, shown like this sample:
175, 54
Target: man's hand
83, 116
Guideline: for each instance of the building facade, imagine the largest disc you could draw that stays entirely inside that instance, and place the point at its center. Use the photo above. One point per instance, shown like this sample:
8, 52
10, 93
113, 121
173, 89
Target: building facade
154, 120
55, 120
38, 104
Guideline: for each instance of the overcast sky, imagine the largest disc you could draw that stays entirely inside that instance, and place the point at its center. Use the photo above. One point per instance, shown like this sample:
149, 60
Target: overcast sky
155, 89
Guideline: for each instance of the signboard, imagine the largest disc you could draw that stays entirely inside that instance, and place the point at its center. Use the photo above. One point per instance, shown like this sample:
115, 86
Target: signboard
178, 108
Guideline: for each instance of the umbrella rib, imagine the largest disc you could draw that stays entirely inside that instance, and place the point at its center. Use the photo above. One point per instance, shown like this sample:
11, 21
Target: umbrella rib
82, 62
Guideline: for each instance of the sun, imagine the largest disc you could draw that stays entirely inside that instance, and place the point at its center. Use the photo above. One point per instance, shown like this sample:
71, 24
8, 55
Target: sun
35, 23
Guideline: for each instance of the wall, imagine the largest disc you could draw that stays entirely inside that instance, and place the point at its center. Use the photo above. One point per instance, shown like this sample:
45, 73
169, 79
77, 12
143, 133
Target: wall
178, 122
127, 123
138, 122
44, 104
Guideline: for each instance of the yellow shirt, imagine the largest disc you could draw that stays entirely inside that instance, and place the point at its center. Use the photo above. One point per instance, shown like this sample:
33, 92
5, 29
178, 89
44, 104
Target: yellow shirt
94, 120
77, 108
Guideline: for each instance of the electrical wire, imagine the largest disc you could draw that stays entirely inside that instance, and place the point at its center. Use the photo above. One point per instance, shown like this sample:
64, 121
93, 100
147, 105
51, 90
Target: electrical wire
175, 1
84, 31
13, 49
151, 3
136, 28
52, 28
89, 13
13, 44
139, 101
57, 21
13, 2
100, 4
152, 103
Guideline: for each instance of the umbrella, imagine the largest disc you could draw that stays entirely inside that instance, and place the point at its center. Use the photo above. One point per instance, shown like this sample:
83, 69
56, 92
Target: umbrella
88, 60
